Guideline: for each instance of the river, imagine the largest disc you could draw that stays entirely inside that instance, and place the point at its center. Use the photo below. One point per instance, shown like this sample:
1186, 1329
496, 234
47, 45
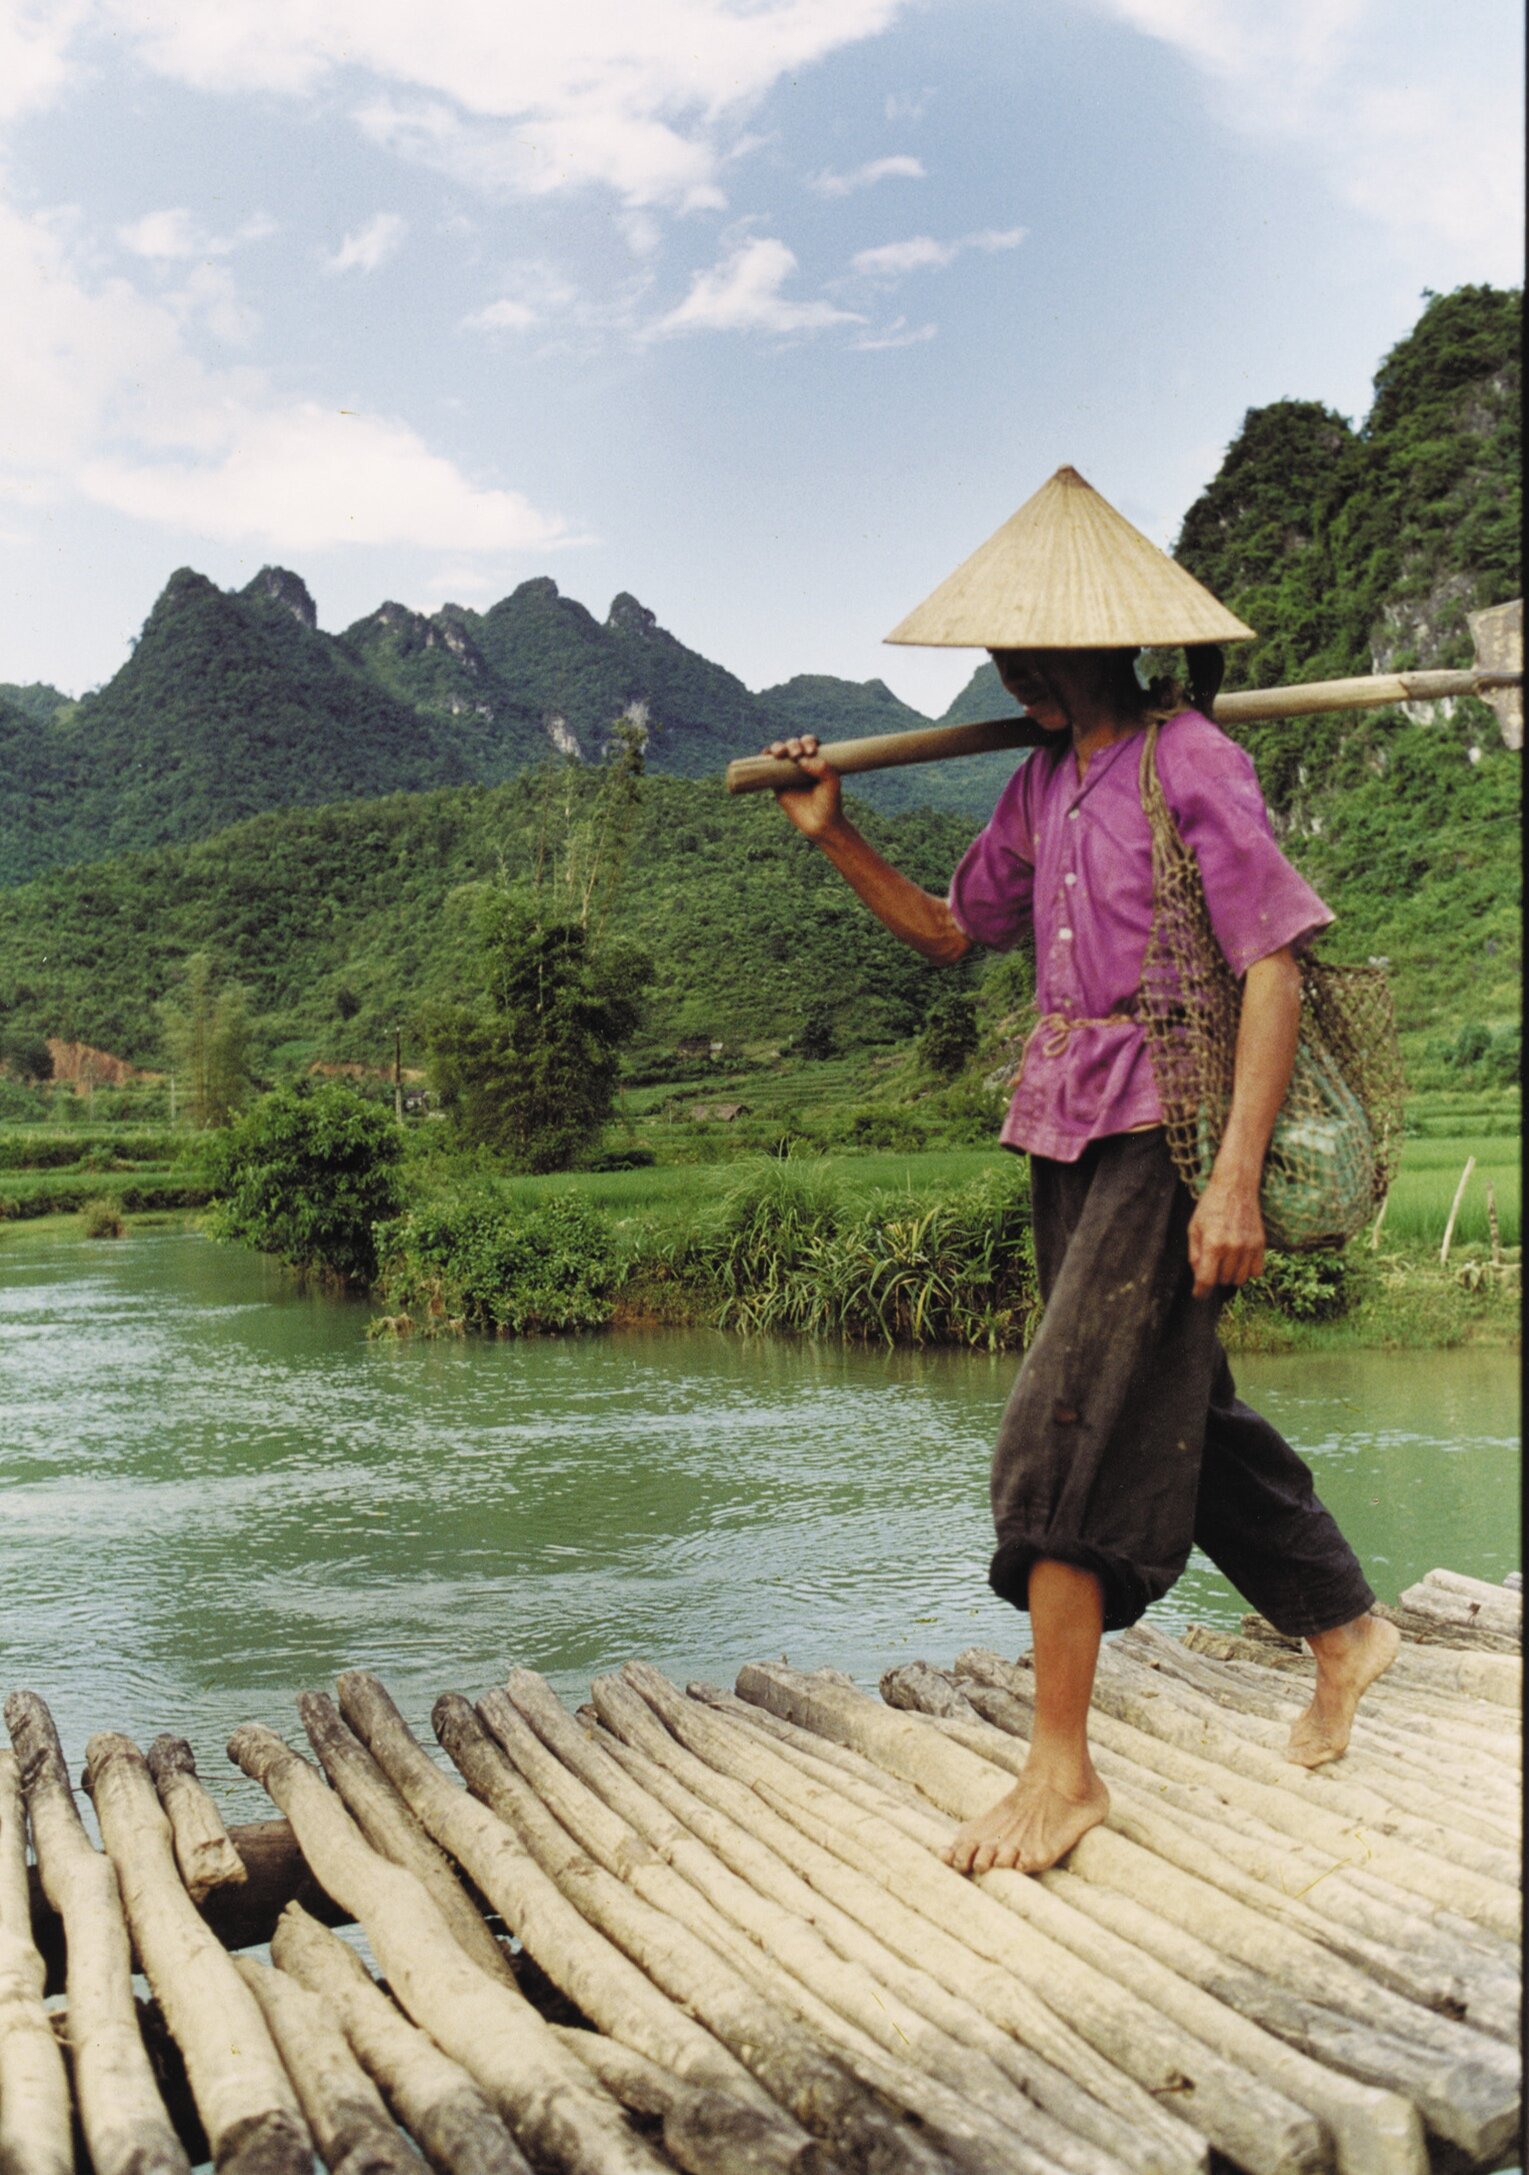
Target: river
217, 1493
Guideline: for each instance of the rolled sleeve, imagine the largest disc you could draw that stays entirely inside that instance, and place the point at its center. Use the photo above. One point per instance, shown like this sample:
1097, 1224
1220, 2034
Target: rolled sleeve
1257, 902
992, 893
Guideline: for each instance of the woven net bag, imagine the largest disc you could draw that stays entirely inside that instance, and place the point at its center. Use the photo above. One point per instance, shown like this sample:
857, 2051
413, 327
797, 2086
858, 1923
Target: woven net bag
1336, 1141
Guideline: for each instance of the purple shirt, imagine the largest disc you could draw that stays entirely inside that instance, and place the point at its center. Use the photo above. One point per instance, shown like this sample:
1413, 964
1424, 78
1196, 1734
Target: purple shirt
1072, 865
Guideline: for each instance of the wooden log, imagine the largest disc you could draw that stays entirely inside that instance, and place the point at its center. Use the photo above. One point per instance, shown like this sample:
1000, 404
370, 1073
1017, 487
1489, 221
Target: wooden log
1405, 1769
1454, 1210
1478, 1664
793, 2063
706, 2133
1079, 2148
883, 1822
1198, 1988
555, 2110
896, 2002
1389, 1936
1465, 2084
597, 1976
434, 2098
35, 2133
1438, 1864
125, 2123
1427, 1632
203, 1849
247, 2107
391, 1828
1476, 1589
352, 2129
1056, 2069
901, 2008
1207, 2090
1501, 1614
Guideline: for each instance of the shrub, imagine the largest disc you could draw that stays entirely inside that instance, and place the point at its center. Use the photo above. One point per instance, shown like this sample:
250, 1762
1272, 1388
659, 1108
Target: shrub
886, 1127
485, 1260
949, 1035
103, 1219
306, 1175
1302, 1287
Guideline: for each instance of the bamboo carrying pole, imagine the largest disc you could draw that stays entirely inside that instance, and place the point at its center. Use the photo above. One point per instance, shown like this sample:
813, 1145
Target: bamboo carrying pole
126, 2126
941, 743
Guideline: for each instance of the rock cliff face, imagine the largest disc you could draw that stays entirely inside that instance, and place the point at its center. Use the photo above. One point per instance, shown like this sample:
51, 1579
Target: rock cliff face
286, 589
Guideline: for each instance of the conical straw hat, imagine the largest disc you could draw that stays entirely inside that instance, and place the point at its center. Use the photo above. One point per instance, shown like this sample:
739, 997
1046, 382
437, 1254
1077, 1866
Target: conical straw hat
1068, 572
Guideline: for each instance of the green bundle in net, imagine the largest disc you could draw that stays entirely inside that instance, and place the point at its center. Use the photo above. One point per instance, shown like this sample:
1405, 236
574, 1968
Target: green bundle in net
1335, 1144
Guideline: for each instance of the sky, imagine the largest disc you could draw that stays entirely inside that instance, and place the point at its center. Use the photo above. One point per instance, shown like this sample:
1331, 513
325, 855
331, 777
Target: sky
765, 311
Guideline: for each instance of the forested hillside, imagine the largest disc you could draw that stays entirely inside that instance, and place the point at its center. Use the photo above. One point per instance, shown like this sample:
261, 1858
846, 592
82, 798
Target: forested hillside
337, 920
1347, 548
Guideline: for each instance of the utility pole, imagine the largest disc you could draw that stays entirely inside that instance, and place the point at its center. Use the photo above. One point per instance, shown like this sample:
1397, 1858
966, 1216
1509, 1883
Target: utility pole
398, 1074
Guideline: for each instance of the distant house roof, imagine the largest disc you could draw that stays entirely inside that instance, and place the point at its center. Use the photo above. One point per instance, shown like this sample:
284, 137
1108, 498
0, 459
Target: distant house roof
719, 1113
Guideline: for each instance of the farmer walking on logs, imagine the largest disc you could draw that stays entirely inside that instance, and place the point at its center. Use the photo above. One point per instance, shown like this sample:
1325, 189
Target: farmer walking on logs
1123, 1442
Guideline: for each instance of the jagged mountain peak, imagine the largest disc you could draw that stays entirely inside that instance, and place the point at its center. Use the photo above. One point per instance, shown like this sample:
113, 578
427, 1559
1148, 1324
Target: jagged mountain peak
283, 587
627, 616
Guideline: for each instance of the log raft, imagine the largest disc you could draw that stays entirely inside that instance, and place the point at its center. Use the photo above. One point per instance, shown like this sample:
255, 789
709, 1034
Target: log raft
707, 1930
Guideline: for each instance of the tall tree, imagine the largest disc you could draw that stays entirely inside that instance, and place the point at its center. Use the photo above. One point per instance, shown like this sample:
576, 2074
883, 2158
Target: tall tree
206, 1028
525, 1051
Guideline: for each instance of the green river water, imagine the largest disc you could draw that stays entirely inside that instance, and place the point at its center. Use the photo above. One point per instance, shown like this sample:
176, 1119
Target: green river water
217, 1493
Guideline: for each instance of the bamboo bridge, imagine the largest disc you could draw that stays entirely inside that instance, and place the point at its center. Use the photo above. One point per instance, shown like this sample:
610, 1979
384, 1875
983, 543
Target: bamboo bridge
710, 1931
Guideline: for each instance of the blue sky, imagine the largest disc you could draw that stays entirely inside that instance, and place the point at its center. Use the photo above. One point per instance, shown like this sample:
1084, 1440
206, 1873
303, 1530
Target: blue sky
768, 311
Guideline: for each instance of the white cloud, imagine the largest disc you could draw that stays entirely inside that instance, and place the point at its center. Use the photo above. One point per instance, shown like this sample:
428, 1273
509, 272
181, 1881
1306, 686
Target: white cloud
35, 37
907, 105
367, 247
301, 477
743, 294
501, 316
177, 233
922, 253
211, 299
519, 97
107, 402
898, 334
1412, 138
899, 166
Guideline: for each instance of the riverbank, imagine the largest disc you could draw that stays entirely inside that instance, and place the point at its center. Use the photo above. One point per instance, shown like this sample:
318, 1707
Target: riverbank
1386, 1301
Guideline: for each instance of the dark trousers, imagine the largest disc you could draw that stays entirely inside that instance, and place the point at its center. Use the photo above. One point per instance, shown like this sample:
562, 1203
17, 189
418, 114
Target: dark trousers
1124, 1441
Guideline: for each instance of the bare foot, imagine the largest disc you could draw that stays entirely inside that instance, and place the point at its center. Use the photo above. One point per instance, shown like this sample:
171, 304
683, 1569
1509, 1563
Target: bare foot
1032, 1827
1348, 1662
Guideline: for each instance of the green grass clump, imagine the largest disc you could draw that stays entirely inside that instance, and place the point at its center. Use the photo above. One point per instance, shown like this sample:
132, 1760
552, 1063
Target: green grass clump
103, 1219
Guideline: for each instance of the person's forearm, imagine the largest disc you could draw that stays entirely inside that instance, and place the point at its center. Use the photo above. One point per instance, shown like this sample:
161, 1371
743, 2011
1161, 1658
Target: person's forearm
1266, 1040
911, 913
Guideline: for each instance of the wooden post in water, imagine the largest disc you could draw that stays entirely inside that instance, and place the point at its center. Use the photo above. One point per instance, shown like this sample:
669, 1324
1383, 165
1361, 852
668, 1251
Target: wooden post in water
1454, 1209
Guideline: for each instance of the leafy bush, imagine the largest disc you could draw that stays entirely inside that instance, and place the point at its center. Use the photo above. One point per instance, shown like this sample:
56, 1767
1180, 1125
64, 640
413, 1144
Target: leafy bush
18, 1104
483, 1260
885, 1126
949, 1035
306, 1175
1302, 1287
103, 1219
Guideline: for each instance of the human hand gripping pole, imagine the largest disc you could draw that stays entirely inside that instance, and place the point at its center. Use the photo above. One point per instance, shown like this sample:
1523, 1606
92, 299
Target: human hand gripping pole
913, 915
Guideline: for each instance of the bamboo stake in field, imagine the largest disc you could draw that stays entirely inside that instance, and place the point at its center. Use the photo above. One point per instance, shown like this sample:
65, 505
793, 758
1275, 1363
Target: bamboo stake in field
34, 2091
123, 2117
246, 2104
1454, 1208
